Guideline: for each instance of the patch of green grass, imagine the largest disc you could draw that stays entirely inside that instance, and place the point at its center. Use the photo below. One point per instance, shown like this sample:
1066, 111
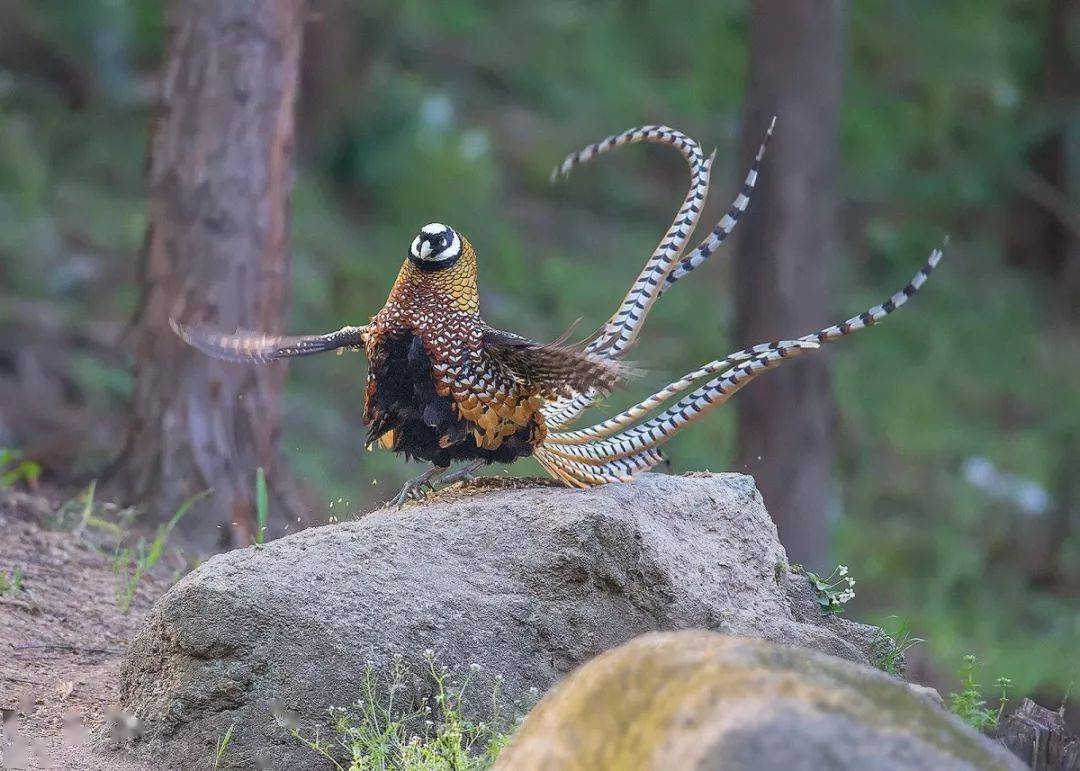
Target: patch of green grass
834, 591
969, 704
386, 732
11, 581
262, 507
14, 468
222, 746
130, 564
84, 512
889, 650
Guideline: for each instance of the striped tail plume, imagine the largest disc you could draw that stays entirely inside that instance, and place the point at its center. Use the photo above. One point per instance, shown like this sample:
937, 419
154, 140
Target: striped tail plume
623, 326
628, 443
666, 265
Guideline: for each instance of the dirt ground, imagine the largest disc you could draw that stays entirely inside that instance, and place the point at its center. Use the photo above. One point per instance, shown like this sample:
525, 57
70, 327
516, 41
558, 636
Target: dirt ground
61, 636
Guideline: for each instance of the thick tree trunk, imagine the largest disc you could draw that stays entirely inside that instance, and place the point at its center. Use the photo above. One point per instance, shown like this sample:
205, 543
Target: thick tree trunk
782, 262
216, 253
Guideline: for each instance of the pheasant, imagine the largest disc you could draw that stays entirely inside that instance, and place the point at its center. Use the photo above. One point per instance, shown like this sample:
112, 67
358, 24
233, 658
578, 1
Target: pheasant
444, 387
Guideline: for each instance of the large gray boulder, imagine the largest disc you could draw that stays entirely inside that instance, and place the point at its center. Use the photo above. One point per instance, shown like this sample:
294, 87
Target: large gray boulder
528, 582
699, 701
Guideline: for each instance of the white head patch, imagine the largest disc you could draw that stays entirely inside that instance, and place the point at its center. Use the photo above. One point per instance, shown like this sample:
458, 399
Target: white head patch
435, 242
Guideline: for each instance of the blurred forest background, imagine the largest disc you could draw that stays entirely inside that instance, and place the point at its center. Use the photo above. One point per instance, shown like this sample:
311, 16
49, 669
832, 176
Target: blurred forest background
955, 428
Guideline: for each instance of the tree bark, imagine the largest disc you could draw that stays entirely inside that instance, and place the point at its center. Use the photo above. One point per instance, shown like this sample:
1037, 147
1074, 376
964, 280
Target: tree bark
782, 262
1040, 738
216, 253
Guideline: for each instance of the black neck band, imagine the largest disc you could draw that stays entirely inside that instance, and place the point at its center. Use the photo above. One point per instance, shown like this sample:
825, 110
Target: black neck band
431, 266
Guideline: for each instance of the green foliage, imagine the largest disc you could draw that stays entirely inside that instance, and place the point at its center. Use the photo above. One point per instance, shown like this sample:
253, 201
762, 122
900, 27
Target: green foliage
889, 650
386, 733
457, 110
969, 704
84, 513
130, 564
833, 592
222, 746
262, 506
11, 581
14, 468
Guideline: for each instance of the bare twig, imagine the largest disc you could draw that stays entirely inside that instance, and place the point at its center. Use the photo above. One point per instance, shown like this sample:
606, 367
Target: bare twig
79, 649
1039, 190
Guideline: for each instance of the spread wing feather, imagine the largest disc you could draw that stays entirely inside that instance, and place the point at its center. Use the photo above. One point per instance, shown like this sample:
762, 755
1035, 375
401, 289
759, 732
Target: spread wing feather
557, 370
256, 348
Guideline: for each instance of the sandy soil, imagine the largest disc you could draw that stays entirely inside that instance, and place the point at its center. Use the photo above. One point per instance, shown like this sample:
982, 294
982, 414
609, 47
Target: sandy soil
61, 637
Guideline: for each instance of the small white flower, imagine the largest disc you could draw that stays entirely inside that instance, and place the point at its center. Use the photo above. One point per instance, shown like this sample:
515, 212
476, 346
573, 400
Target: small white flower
843, 570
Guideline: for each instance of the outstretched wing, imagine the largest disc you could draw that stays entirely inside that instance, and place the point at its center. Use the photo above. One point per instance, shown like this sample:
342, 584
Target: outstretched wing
253, 347
557, 370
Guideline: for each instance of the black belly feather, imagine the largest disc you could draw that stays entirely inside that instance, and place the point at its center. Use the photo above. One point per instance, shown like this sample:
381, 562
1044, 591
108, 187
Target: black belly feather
425, 425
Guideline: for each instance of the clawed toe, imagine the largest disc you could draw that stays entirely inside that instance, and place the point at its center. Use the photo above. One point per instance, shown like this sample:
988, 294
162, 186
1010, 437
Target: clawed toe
415, 488
462, 474
410, 490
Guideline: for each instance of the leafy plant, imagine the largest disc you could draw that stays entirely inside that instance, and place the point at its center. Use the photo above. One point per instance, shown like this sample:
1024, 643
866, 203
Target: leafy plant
833, 592
779, 569
386, 735
131, 564
222, 746
14, 468
889, 649
261, 506
969, 704
11, 581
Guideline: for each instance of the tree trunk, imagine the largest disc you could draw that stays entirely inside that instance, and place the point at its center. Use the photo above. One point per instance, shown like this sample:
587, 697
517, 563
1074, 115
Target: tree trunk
782, 263
216, 253
1043, 227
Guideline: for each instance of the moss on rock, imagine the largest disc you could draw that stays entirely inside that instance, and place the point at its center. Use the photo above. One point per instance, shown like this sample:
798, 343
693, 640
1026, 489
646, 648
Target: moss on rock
700, 700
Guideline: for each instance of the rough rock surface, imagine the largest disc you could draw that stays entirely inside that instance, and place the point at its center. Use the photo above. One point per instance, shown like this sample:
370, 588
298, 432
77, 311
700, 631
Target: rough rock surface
529, 583
701, 701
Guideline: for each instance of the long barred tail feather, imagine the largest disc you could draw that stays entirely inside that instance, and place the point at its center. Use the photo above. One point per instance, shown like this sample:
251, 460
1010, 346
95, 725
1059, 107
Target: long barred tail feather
659, 429
622, 328
600, 447
662, 270
690, 149
727, 223
578, 474
643, 408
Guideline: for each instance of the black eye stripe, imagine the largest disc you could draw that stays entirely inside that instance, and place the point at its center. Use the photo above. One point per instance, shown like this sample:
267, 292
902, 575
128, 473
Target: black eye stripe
442, 245
438, 241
